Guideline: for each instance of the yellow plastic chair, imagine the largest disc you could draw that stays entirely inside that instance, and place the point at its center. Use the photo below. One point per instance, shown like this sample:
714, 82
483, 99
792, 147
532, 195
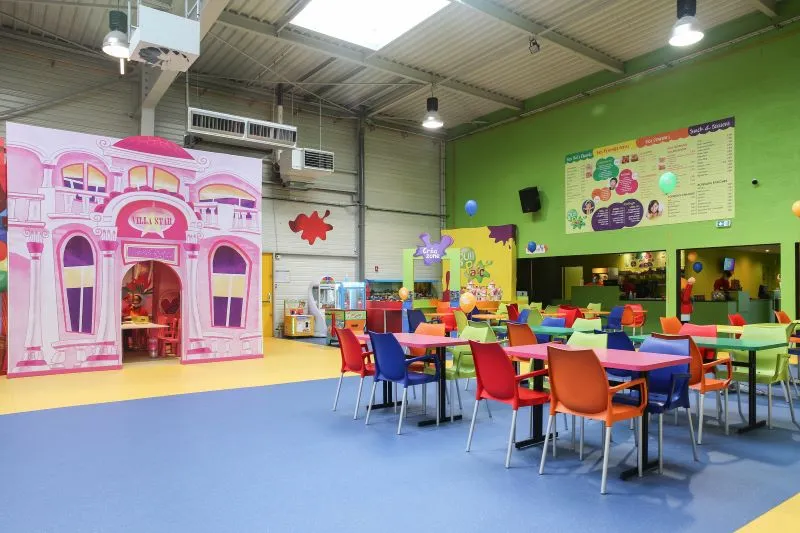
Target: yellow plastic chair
587, 324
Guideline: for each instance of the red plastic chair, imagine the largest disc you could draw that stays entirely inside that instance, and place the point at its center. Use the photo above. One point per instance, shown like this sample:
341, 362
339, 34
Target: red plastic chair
736, 320
782, 317
513, 312
355, 360
633, 316
497, 381
570, 314
695, 330
169, 337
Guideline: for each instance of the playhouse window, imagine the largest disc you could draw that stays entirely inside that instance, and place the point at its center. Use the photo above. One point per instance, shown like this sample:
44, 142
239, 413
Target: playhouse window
137, 177
78, 275
83, 177
165, 180
228, 286
225, 194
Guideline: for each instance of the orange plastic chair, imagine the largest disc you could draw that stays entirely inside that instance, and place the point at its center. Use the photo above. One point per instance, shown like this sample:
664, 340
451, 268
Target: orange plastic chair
670, 325
520, 335
633, 316
700, 382
443, 307
782, 317
579, 386
424, 329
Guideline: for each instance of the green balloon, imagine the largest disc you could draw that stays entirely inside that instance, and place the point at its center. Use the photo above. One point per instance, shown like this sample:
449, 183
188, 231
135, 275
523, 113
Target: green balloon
667, 182
3, 281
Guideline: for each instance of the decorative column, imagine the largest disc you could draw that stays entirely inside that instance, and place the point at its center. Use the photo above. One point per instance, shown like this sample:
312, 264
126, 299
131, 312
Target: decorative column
197, 345
34, 356
108, 324
47, 178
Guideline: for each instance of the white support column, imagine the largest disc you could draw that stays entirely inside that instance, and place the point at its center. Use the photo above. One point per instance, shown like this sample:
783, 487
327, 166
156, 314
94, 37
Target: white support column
198, 347
108, 327
33, 335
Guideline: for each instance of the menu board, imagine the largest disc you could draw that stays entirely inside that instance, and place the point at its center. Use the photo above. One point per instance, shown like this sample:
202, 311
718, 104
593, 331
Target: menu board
617, 186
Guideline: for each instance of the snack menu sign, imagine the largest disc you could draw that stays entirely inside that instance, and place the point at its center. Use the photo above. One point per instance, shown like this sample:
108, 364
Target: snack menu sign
624, 185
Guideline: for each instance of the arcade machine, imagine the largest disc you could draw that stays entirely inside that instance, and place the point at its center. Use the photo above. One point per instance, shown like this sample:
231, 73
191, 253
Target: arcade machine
344, 305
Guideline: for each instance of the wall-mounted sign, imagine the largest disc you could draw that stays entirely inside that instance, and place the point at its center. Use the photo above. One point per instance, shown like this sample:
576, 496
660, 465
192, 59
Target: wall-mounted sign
432, 252
537, 249
155, 220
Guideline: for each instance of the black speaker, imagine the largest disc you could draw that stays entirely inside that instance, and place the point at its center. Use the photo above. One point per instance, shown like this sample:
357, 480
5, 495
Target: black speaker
529, 200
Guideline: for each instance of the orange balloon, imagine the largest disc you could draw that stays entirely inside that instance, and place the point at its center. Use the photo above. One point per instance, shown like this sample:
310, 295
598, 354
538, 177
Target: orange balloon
403, 293
467, 302
796, 208
691, 257
683, 283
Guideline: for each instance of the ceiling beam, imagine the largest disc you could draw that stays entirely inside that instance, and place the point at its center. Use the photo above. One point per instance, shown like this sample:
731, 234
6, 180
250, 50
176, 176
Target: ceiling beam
359, 57
291, 13
158, 81
768, 7
509, 17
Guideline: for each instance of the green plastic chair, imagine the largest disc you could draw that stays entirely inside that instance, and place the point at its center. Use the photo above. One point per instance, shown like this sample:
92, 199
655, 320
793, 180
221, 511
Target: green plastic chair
587, 324
535, 317
772, 366
502, 309
463, 366
593, 307
461, 320
536, 305
551, 309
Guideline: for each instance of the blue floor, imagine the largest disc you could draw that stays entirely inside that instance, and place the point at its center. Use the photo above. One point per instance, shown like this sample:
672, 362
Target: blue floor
275, 459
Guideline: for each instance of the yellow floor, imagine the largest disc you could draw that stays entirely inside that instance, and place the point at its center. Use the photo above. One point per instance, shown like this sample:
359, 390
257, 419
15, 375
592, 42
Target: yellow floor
285, 362
784, 517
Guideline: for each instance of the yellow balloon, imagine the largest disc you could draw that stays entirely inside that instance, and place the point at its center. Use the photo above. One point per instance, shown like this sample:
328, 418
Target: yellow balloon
691, 257
467, 302
796, 208
683, 283
403, 293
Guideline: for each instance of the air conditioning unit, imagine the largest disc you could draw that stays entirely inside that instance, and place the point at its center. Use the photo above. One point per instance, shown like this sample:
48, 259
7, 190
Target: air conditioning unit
240, 131
305, 165
163, 40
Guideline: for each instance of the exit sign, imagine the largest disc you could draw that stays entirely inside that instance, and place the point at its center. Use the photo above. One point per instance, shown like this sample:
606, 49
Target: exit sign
725, 223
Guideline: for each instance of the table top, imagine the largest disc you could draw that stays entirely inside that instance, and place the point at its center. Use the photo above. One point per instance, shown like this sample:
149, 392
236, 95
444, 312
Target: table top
438, 315
552, 330
142, 325
417, 340
489, 316
587, 311
725, 343
609, 358
554, 314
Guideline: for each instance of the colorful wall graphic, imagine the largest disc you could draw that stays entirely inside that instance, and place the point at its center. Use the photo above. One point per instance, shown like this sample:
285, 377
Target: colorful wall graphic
84, 210
617, 186
311, 227
488, 260
3, 260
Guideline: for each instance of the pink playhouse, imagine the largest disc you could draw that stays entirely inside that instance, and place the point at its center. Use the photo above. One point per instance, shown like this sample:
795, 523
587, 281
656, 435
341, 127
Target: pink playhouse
118, 244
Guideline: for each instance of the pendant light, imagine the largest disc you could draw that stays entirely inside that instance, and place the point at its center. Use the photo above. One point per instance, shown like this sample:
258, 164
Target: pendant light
115, 42
432, 120
686, 31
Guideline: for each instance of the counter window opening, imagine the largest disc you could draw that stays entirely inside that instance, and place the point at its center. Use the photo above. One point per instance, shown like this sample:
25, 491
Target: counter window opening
78, 276
229, 282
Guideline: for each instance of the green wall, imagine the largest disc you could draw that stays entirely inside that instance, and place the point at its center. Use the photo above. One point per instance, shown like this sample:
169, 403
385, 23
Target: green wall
758, 83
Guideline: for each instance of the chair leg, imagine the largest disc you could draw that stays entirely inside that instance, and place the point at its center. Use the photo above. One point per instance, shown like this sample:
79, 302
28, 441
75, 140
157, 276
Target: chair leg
472, 424
546, 440
458, 395
438, 392
573, 432
580, 445
676, 417
726, 410
788, 395
635, 432
769, 406
660, 446
369, 405
606, 449
338, 388
466, 385
691, 433
424, 398
358, 398
566, 425
394, 388
488, 411
719, 405
414, 392
700, 420
511, 435
453, 384
403, 410
739, 400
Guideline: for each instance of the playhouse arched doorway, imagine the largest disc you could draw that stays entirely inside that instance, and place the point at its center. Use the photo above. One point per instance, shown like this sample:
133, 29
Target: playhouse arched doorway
152, 318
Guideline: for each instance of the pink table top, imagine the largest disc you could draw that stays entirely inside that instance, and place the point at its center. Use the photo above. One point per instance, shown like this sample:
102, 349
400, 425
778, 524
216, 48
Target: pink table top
619, 359
416, 340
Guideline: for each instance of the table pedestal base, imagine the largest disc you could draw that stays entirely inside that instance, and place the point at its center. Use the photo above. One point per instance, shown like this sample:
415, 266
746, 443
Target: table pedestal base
634, 472
750, 427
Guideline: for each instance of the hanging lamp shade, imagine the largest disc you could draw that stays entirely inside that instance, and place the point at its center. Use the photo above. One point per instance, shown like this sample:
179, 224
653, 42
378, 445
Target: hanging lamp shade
686, 30
432, 120
115, 42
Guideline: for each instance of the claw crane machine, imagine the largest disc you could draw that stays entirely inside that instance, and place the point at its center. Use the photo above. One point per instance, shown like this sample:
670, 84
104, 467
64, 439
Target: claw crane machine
344, 305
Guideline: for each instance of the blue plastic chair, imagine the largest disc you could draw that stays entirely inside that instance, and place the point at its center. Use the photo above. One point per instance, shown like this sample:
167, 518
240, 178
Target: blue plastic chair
415, 318
553, 322
614, 320
667, 388
619, 340
523, 316
391, 365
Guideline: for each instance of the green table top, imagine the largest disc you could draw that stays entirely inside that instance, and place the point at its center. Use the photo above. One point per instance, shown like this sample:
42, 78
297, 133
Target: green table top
723, 343
541, 330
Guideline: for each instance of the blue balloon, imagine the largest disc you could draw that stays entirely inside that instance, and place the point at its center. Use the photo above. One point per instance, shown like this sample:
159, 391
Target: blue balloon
697, 266
471, 207
531, 246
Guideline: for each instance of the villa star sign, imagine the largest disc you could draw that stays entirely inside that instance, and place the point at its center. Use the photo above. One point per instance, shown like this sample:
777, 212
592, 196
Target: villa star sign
431, 252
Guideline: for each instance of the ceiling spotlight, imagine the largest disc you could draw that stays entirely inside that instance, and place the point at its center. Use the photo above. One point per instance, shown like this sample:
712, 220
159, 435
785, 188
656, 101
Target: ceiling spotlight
686, 30
115, 42
432, 119
533, 45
